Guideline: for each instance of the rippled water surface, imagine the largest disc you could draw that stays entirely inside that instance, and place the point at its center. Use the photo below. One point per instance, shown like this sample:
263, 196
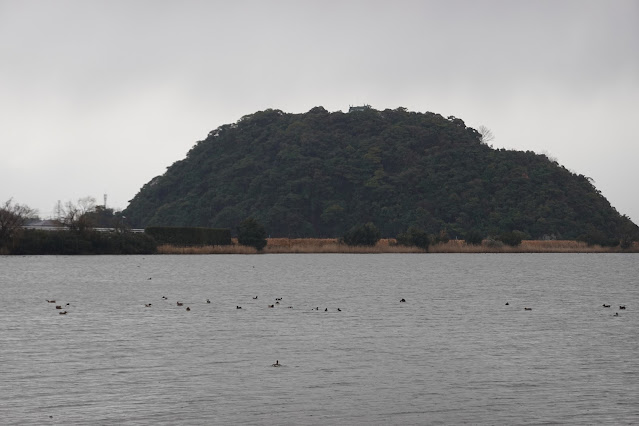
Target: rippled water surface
453, 353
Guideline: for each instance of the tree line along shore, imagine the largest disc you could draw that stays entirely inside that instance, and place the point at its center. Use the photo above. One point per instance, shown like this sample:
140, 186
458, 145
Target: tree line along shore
390, 245
80, 236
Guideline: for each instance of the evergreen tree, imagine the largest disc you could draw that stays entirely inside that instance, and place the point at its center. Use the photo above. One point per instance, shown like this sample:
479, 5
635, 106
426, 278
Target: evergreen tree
251, 233
362, 235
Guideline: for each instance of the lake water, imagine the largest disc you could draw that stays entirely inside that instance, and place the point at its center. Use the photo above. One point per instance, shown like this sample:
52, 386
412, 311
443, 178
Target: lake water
453, 353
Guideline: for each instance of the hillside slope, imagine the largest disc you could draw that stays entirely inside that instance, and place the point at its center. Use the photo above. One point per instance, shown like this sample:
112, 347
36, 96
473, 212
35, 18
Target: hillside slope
317, 174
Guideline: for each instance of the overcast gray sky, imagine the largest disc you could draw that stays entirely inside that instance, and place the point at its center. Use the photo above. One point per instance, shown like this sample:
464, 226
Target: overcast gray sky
101, 96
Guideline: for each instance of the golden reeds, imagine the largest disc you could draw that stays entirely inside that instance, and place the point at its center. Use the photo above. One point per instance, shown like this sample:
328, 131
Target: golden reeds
332, 245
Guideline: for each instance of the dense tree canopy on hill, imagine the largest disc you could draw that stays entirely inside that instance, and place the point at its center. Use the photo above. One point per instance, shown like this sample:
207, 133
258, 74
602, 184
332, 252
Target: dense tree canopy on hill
319, 174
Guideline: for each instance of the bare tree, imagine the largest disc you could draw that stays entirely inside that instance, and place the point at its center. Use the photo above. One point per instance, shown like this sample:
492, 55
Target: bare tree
486, 134
78, 216
12, 218
58, 210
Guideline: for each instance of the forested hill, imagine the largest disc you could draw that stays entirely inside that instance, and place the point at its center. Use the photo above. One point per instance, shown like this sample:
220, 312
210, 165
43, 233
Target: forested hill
318, 174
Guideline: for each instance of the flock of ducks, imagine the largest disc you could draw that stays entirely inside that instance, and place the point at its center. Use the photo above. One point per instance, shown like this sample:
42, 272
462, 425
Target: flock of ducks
621, 308
59, 307
277, 302
525, 308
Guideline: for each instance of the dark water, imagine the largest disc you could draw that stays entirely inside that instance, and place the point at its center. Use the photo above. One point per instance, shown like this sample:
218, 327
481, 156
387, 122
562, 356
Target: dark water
454, 353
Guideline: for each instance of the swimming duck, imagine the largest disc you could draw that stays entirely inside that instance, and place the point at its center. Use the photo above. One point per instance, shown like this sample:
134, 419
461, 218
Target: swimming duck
403, 300
63, 312
622, 306
271, 306
238, 307
208, 301
148, 305
164, 297
326, 310
50, 301
188, 309
339, 310
507, 303
180, 303
255, 298
58, 307
606, 306
527, 309
277, 364
616, 314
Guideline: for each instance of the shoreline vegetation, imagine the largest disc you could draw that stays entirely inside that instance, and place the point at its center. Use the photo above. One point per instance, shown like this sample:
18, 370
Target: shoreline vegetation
332, 245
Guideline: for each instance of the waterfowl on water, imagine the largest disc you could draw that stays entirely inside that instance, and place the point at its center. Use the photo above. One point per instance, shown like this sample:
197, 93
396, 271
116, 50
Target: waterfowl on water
278, 298
180, 303
339, 310
63, 312
622, 306
606, 306
58, 307
403, 300
148, 305
616, 314
527, 309
238, 307
326, 310
255, 298
507, 303
277, 364
164, 297
208, 301
188, 309
50, 301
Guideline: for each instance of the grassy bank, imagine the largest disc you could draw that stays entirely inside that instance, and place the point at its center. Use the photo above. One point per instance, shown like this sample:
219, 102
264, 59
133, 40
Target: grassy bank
331, 245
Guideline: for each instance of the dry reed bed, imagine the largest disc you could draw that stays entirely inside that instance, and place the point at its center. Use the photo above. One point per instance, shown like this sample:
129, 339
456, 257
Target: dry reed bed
332, 245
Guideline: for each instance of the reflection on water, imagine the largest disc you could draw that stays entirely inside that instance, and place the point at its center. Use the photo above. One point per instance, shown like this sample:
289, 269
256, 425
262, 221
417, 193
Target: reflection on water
350, 351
